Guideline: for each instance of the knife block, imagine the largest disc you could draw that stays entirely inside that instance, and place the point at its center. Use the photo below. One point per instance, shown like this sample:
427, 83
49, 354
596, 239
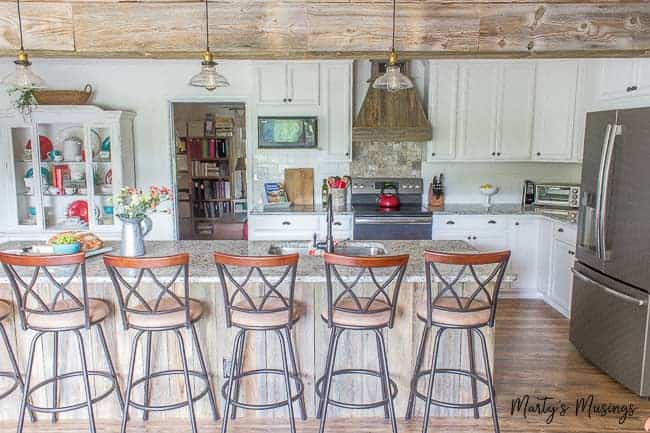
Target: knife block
435, 201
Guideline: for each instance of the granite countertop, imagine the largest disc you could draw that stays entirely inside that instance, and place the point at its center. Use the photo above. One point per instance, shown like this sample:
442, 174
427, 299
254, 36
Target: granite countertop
310, 269
497, 209
299, 210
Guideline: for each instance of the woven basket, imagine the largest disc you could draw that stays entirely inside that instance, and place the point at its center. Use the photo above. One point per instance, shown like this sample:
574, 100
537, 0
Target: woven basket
63, 97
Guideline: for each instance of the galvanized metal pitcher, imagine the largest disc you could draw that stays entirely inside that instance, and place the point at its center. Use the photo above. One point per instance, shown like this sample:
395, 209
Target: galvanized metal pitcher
133, 232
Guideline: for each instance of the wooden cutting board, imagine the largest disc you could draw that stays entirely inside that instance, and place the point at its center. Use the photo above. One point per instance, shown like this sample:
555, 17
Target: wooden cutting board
299, 184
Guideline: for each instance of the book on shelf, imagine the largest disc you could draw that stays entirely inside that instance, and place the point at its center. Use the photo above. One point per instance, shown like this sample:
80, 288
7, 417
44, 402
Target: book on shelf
211, 209
211, 190
275, 196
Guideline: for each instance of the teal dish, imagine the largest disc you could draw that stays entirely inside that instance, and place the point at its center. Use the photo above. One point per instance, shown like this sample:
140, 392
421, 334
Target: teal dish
67, 248
106, 144
45, 174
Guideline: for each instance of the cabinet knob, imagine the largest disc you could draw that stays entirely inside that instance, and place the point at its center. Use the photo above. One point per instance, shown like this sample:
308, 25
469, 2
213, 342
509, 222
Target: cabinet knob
433, 153
347, 153
561, 230
517, 223
284, 100
572, 253
492, 222
469, 238
474, 237
289, 99
632, 88
451, 222
494, 153
286, 223
498, 153
539, 153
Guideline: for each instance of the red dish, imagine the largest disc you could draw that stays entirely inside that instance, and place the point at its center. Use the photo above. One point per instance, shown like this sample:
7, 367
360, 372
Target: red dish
79, 209
45, 146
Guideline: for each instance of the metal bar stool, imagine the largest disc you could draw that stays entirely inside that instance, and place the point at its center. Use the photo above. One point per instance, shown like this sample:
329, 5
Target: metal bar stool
347, 311
275, 310
452, 309
14, 375
57, 311
156, 308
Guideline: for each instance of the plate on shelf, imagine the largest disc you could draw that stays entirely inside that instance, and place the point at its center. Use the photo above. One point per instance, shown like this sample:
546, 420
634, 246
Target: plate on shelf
45, 174
78, 132
108, 179
45, 146
79, 209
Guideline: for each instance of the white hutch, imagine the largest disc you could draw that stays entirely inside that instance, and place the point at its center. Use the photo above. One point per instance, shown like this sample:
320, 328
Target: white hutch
68, 181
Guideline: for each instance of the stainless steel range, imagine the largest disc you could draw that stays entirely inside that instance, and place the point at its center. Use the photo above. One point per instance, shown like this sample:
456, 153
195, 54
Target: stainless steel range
408, 221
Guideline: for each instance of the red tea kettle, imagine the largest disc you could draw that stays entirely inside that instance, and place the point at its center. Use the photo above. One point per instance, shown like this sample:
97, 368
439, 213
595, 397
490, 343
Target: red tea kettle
388, 200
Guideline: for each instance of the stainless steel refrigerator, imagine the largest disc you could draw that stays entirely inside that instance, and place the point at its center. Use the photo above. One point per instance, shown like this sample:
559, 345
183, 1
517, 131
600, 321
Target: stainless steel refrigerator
611, 285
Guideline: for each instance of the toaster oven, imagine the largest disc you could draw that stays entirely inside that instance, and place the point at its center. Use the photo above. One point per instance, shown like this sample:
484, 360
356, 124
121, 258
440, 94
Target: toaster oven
557, 195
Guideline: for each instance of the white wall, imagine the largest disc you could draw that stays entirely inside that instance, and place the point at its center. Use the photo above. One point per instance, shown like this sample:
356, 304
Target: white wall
145, 87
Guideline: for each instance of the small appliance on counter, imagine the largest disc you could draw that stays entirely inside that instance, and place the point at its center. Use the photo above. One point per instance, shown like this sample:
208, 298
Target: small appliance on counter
528, 194
563, 195
436, 193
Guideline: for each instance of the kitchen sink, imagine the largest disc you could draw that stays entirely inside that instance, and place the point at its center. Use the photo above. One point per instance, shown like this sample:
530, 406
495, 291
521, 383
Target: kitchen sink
347, 248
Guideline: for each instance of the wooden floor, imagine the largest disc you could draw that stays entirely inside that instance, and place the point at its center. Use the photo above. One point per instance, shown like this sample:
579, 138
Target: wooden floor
533, 357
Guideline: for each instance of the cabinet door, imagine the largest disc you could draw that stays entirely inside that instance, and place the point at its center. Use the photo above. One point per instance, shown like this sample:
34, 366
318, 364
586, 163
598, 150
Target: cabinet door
478, 107
642, 78
443, 109
562, 258
272, 83
523, 244
515, 122
336, 121
555, 104
303, 82
616, 77
489, 241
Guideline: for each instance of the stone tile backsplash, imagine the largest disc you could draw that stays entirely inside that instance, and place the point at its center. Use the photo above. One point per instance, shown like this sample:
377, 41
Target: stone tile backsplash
374, 159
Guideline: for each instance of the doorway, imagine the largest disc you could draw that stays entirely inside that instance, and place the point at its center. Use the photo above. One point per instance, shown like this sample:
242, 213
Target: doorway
210, 161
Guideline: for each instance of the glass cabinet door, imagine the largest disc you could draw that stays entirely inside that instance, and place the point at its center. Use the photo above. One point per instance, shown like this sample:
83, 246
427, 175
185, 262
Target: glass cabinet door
26, 180
66, 192
101, 172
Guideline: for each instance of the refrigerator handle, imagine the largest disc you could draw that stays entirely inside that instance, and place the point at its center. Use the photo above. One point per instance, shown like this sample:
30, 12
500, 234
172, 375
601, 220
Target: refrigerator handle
616, 130
599, 191
613, 292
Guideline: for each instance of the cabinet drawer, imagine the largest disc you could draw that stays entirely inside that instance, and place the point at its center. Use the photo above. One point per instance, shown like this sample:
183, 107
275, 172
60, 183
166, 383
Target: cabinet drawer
446, 223
284, 222
565, 232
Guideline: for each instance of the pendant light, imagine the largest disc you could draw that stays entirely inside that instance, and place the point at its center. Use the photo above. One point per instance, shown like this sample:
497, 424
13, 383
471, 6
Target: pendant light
208, 78
22, 77
393, 80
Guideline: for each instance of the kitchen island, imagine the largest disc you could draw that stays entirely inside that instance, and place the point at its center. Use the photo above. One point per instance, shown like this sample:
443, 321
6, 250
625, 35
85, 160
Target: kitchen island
310, 336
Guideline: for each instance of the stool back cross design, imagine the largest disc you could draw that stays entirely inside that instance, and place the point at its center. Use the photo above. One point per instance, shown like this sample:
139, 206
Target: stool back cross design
348, 309
52, 298
258, 294
146, 293
455, 306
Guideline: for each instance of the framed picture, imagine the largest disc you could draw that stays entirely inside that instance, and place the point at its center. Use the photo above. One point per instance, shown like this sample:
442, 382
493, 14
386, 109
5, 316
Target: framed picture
287, 132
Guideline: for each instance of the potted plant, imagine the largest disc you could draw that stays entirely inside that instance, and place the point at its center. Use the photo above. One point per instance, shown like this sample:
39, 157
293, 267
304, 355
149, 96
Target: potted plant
66, 243
133, 208
24, 100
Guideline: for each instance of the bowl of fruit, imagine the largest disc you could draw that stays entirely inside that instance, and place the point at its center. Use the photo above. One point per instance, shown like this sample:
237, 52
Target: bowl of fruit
65, 243
488, 190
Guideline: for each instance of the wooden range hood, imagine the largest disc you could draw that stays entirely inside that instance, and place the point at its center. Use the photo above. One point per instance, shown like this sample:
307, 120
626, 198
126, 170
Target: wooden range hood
390, 117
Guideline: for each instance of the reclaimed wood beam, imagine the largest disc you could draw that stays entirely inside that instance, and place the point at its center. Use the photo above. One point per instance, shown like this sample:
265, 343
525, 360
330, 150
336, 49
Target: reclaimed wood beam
311, 29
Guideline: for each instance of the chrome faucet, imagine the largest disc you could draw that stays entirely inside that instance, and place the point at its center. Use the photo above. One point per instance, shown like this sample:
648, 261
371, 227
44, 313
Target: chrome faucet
328, 244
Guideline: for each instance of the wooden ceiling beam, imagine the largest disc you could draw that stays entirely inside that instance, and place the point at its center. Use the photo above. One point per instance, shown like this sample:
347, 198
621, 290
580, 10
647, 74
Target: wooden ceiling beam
312, 29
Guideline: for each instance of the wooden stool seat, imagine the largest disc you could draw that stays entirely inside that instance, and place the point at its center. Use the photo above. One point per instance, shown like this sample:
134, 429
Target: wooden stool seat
479, 317
160, 319
98, 310
243, 315
5, 309
377, 316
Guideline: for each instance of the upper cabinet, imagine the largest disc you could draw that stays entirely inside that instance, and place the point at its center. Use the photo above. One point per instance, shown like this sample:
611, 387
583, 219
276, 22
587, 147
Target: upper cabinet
504, 111
336, 111
555, 110
288, 83
624, 78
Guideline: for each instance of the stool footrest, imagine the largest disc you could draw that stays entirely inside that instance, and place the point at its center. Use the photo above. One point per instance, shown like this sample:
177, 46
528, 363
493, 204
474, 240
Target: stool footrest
170, 406
74, 406
446, 404
12, 387
348, 371
262, 406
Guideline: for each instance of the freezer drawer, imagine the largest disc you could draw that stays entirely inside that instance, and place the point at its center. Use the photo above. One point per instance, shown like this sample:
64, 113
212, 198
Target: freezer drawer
609, 327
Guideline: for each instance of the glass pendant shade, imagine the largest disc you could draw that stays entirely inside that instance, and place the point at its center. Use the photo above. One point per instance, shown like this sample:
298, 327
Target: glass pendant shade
209, 78
393, 80
23, 77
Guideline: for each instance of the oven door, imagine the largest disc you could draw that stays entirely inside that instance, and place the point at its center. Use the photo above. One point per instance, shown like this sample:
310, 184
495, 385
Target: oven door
392, 228
552, 195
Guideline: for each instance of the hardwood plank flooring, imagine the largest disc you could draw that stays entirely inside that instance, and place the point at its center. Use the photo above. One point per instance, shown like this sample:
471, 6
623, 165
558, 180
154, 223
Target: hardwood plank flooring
533, 356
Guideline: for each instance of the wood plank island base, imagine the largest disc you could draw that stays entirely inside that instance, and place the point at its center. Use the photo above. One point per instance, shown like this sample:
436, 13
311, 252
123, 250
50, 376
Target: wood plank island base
533, 356
310, 336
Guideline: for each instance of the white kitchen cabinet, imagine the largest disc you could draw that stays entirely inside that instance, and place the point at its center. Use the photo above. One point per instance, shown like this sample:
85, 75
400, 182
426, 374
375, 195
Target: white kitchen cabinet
293, 83
478, 91
277, 226
484, 232
523, 234
342, 227
489, 241
562, 258
336, 116
555, 108
515, 115
624, 78
443, 108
